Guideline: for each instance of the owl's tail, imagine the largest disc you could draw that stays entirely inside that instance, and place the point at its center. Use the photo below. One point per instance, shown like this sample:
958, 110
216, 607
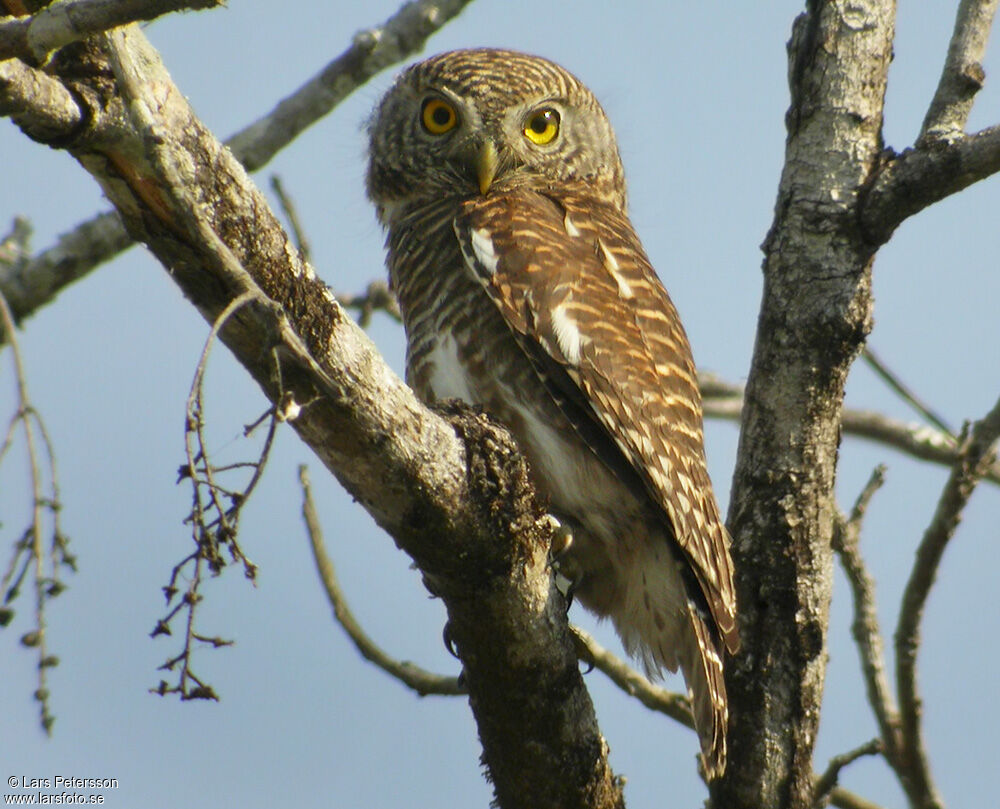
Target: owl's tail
700, 657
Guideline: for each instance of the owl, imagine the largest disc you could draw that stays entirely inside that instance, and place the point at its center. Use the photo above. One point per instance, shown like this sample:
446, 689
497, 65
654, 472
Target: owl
524, 289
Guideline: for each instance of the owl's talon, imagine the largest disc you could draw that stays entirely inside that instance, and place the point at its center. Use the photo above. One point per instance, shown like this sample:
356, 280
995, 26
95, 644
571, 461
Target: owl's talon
449, 641
562, 539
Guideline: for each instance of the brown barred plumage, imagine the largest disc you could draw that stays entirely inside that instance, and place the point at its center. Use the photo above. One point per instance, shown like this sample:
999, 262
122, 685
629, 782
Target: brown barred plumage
524, 288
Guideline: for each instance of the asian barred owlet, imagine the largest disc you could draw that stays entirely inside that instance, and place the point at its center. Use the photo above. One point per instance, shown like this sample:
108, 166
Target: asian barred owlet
524, 289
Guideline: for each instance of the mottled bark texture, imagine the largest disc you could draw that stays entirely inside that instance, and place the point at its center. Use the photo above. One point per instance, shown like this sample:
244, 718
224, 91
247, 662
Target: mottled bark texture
450, 488
815, 314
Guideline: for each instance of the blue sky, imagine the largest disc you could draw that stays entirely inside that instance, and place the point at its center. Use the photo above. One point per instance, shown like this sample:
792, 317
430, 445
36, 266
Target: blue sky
697, 97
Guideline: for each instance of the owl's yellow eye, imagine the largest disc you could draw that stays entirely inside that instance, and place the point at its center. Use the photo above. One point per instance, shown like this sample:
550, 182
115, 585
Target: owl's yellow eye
542, 126
438, 116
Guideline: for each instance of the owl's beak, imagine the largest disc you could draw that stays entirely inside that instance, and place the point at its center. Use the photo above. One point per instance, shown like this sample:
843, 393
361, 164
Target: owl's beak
486, 165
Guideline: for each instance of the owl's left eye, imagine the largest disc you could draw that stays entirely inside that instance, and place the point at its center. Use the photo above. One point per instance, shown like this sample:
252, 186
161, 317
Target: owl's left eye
542, 126
438, 116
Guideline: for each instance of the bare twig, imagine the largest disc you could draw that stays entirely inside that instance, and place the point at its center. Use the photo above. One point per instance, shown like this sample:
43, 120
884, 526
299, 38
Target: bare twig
828, 780
654, 697
887, 375
724, 400
214, 523
372, 50
677, 706
29, 549
975, 455
962, 76
867, 634
50, 28
292, 215
420, 680
377, 297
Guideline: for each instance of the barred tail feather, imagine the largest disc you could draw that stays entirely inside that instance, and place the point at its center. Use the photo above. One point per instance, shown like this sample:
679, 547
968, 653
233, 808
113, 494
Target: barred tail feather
701, 661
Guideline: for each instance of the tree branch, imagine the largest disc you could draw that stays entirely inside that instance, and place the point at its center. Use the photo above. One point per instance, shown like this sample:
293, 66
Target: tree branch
453, 492
909, 182
418, 679
30, 559
31, 282
974, 458
292, 217
867, 634
24, 92
39, 104
815, 314
33, 38
372, 50
962, 75
887, 375
827, 782
724, 400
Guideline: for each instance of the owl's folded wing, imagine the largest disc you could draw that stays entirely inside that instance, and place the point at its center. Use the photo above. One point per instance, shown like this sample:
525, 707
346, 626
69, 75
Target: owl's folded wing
574, 285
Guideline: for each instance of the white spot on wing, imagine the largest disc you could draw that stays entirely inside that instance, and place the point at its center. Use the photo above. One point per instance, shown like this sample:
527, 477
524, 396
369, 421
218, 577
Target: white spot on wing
567, 334
477, 250
482, 246
571, 229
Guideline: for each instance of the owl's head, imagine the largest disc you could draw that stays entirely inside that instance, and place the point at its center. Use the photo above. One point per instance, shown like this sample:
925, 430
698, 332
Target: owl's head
474, 121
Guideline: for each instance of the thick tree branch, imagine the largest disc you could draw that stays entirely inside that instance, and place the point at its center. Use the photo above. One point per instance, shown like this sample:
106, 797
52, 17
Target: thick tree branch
33, 38
909, 182
453, 492
976, 455
962, 76
420, 680
54, 116
39, 104
815, 313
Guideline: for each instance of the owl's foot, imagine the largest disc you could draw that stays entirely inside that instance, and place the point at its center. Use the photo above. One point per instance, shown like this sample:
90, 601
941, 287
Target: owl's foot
562, 539
567, 578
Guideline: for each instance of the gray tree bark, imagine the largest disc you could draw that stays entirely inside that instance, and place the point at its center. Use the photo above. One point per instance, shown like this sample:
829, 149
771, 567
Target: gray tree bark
815, 315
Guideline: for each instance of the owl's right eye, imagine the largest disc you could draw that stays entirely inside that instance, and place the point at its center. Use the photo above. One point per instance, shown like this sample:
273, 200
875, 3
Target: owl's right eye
438, 116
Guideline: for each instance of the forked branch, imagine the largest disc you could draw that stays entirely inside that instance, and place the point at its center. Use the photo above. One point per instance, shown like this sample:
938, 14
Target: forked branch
976, 454
962, 75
